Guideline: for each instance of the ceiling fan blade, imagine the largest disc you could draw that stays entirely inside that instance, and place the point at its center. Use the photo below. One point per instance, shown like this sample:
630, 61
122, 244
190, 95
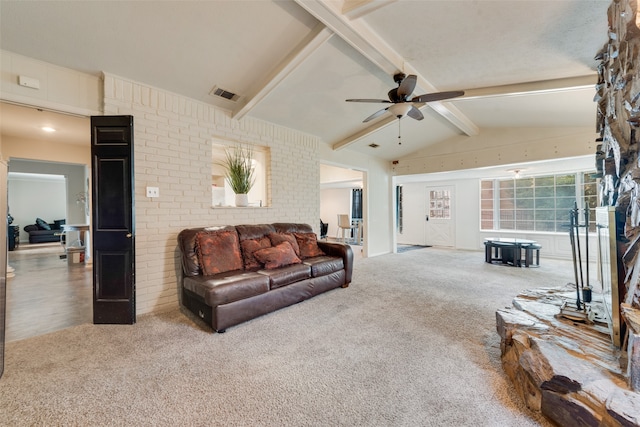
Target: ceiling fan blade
437, 96
377, 101
414, 113
407, 86
375, 115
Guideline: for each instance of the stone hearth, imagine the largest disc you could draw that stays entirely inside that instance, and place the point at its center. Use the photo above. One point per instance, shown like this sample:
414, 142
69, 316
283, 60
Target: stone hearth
567, 369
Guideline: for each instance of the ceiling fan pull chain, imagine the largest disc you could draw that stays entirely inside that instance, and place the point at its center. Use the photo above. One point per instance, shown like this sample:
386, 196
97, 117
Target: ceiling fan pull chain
399, 139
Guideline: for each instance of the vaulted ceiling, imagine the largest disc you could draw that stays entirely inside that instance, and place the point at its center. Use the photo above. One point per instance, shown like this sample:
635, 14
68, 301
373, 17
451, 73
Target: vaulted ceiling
521, 63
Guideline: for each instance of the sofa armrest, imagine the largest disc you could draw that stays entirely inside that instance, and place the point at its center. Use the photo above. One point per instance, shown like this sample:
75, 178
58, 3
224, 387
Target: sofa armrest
340, 250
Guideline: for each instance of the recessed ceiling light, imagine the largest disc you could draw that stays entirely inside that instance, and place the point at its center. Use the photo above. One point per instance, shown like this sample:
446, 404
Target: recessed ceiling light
48, 129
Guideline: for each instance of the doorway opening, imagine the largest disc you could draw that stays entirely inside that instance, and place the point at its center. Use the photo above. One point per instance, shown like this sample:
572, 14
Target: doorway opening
343, 193
40, 204
47, 179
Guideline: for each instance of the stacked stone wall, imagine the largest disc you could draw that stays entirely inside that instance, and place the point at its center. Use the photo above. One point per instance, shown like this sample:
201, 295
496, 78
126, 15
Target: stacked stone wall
618, 121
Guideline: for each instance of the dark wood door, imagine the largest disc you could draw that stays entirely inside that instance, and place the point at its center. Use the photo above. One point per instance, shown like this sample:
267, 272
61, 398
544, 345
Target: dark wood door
113, 231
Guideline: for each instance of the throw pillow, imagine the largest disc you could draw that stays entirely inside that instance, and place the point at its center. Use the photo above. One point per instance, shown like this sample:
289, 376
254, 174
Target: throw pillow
308, 245
249, 246
277, 238
42, 224
218, 251
277, 256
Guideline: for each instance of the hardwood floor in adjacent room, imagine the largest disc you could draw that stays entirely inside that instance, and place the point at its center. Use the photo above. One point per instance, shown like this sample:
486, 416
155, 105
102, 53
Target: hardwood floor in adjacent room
47, 293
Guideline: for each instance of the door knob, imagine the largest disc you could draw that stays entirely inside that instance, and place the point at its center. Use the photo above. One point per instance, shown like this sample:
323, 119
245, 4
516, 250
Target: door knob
129, 235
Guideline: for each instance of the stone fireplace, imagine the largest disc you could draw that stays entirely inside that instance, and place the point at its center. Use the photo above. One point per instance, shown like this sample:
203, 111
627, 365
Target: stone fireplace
588, 372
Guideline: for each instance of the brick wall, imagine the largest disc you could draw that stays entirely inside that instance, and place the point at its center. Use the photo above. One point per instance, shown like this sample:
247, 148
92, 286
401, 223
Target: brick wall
172, 151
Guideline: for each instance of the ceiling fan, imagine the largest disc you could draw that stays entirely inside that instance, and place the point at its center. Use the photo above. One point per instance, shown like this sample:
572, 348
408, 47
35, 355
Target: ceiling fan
399, 98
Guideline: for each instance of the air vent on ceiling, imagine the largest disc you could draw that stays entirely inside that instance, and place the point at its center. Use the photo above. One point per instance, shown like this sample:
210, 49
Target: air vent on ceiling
374, 145
230, 96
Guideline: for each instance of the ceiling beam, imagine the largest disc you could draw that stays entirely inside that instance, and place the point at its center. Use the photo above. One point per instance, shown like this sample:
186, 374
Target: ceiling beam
310, 44
544, 86
354, 9
389, 119
362, 38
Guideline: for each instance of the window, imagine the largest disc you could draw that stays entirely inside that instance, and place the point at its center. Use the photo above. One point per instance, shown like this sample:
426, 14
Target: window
542, 203
221, 193
439, 204
399, 208
356, 203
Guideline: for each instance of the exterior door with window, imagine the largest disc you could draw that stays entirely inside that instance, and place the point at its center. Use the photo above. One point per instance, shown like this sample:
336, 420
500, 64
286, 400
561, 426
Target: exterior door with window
439, 228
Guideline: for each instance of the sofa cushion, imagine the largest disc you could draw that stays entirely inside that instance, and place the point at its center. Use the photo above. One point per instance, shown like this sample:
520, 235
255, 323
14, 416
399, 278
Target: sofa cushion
277, 256
277, 238
30, 227
254, 231
286, 275
249, 247
218, 251
288, 227
227, 287
42, 224
323, 265
308, 243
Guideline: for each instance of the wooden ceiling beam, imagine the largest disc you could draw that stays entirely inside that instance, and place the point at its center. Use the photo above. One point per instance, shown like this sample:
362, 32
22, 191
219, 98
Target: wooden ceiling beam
320, 35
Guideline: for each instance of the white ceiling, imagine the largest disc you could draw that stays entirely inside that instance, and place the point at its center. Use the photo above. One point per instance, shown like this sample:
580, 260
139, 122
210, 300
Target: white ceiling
522, 63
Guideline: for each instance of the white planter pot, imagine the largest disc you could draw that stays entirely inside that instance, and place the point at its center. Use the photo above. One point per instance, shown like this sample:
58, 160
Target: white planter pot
242, 200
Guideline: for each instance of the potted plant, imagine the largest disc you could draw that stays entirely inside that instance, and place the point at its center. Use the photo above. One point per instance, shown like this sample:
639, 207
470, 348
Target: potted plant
239, 172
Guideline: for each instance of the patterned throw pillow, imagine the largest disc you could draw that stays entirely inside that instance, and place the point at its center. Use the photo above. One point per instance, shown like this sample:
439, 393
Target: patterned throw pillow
277, 238
277, 256
218, 251
308, 243
249, 246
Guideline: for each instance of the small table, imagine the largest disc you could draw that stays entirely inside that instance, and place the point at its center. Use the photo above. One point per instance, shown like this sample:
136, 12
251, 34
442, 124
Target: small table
508, 250
80, 228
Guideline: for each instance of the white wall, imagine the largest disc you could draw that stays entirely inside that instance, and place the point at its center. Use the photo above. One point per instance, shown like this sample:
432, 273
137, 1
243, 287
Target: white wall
334, 201
60, 89
36, 197
377, 196
76, 182
466, 186
502, 146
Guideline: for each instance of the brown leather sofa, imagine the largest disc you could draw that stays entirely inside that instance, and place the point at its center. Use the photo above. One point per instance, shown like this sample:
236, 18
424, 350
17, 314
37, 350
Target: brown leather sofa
281, 264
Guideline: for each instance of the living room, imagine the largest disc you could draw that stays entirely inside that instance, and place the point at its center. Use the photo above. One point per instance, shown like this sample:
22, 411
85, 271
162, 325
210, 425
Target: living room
173, 134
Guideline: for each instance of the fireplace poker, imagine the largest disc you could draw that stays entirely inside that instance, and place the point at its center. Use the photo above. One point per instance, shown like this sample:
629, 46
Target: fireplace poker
586, 243
573, 253
577, 225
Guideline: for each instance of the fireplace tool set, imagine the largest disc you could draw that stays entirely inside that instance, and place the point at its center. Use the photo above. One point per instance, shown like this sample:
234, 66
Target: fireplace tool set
582, 311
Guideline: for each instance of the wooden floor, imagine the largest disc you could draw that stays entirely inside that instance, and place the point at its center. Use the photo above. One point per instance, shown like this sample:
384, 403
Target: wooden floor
46, 294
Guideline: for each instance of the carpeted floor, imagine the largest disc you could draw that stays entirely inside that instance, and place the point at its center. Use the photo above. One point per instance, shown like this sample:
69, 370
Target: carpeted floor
411, 342
406, 248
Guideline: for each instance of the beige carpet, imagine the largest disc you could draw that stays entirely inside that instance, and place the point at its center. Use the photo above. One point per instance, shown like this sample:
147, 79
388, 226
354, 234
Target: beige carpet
411, 342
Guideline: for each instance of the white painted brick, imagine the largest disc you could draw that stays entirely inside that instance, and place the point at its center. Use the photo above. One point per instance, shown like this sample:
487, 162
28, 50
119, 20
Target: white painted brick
172, 150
